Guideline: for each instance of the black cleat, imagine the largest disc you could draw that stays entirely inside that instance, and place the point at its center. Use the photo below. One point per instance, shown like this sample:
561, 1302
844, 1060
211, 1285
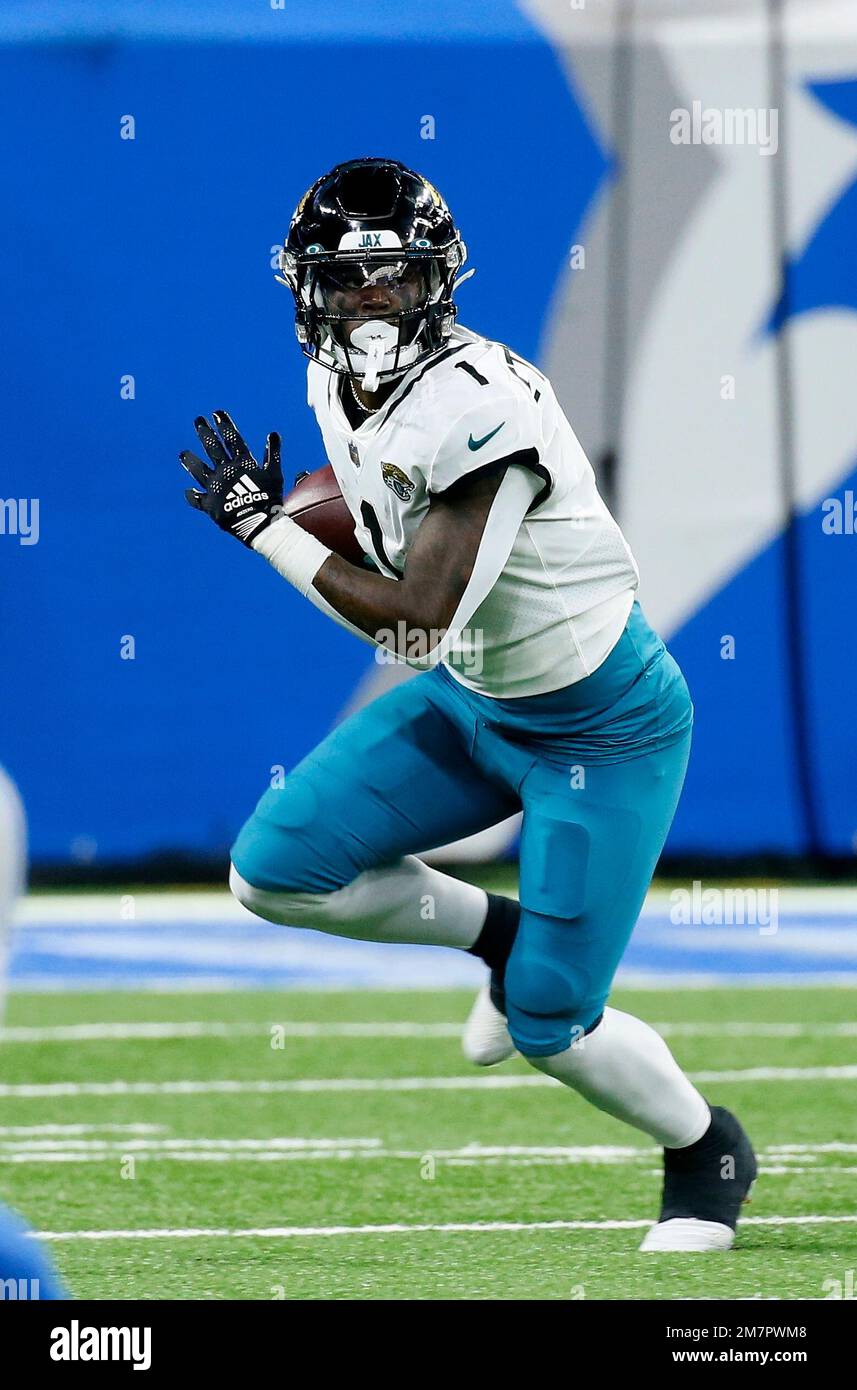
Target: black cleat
704, 1187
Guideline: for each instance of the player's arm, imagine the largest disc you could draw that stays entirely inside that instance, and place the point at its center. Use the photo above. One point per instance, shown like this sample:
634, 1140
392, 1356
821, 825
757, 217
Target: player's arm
245, 498
459, 551
457, 555
443, 581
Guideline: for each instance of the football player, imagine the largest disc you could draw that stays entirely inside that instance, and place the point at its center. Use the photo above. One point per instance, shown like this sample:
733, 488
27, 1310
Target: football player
13, 868
26, 1271
495, 562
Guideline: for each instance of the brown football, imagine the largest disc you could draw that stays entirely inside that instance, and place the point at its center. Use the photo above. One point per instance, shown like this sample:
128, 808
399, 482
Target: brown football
317, 505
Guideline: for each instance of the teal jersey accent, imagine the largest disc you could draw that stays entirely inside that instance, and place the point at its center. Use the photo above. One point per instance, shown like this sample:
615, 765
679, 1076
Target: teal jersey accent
636, 700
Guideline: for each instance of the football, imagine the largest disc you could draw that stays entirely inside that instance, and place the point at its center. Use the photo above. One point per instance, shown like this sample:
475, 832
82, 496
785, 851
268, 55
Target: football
316, 504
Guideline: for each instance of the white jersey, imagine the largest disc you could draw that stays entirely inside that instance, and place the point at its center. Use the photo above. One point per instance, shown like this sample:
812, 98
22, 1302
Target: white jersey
561, 602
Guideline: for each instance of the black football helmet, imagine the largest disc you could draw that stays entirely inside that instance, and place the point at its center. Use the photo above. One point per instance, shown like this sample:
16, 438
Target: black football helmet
372, 257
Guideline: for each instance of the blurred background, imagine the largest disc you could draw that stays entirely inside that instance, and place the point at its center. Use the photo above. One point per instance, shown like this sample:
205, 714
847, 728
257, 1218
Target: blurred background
660, 200
694, 304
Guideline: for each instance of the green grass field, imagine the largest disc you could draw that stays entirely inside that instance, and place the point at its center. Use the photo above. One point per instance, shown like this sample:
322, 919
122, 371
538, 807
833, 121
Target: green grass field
297, 1166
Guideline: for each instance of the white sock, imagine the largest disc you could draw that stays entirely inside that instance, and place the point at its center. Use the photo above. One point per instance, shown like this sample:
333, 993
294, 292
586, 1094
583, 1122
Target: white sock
13, 866
403, 902
625, 1068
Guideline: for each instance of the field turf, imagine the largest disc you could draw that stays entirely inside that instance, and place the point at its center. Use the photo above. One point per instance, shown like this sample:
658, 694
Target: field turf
292, 1186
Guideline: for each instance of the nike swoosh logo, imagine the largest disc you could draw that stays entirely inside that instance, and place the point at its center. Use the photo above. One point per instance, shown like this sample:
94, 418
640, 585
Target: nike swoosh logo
477, 443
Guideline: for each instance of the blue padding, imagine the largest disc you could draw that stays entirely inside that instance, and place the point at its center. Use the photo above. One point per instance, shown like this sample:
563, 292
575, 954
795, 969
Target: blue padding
260, 21
152, 258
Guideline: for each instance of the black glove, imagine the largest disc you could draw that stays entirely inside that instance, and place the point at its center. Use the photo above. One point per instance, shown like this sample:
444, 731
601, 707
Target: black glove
241, 496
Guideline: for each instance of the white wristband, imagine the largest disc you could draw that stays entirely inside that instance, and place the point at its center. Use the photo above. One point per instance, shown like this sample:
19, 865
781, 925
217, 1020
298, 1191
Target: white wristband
293, 552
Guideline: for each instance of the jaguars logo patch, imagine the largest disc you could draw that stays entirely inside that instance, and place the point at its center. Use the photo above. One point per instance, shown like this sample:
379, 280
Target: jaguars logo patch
397, 481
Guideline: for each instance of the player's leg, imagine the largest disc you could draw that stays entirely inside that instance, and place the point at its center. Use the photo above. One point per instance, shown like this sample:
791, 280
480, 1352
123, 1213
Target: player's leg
13, 866
588, 852
21, 1258
333, 847
26, 1262
587, 857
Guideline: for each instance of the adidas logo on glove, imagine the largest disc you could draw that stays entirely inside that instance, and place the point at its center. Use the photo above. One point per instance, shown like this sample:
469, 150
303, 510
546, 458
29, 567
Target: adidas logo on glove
243, 493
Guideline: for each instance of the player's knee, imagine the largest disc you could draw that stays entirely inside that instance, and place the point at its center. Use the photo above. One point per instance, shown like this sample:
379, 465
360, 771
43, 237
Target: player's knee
547, 1005
284, 906
242, 889
282, 857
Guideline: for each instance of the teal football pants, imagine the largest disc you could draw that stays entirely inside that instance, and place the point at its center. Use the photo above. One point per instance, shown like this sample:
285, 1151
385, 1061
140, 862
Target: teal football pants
597, 769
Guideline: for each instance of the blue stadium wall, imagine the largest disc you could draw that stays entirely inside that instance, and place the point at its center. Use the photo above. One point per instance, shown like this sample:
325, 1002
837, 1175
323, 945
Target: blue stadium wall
149, 259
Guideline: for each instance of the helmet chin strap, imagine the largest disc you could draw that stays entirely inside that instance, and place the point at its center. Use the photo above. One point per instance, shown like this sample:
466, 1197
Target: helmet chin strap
376, 339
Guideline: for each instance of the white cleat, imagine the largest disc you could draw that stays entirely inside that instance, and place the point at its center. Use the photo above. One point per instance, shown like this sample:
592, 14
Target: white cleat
687, 1233
486, 1036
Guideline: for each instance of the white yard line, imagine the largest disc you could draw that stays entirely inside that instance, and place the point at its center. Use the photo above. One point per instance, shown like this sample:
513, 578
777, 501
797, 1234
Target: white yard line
36, 1130
844, 1073
757, 1030
777, 1169
398, 1228
122, 1032
276, 1150
158, 1032
196, 1156
311, 1150
309, 1086
36, 1146
302, 1085
349, 1155
836, 1146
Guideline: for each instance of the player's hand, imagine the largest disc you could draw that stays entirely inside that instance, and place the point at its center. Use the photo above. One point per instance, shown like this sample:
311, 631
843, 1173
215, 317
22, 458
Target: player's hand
241, 496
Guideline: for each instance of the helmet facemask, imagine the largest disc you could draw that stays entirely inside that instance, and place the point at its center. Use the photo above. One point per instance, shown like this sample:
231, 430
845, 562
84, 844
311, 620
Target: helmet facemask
374, 315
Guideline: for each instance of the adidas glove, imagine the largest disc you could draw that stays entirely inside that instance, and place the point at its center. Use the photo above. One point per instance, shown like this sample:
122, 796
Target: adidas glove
241, 496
